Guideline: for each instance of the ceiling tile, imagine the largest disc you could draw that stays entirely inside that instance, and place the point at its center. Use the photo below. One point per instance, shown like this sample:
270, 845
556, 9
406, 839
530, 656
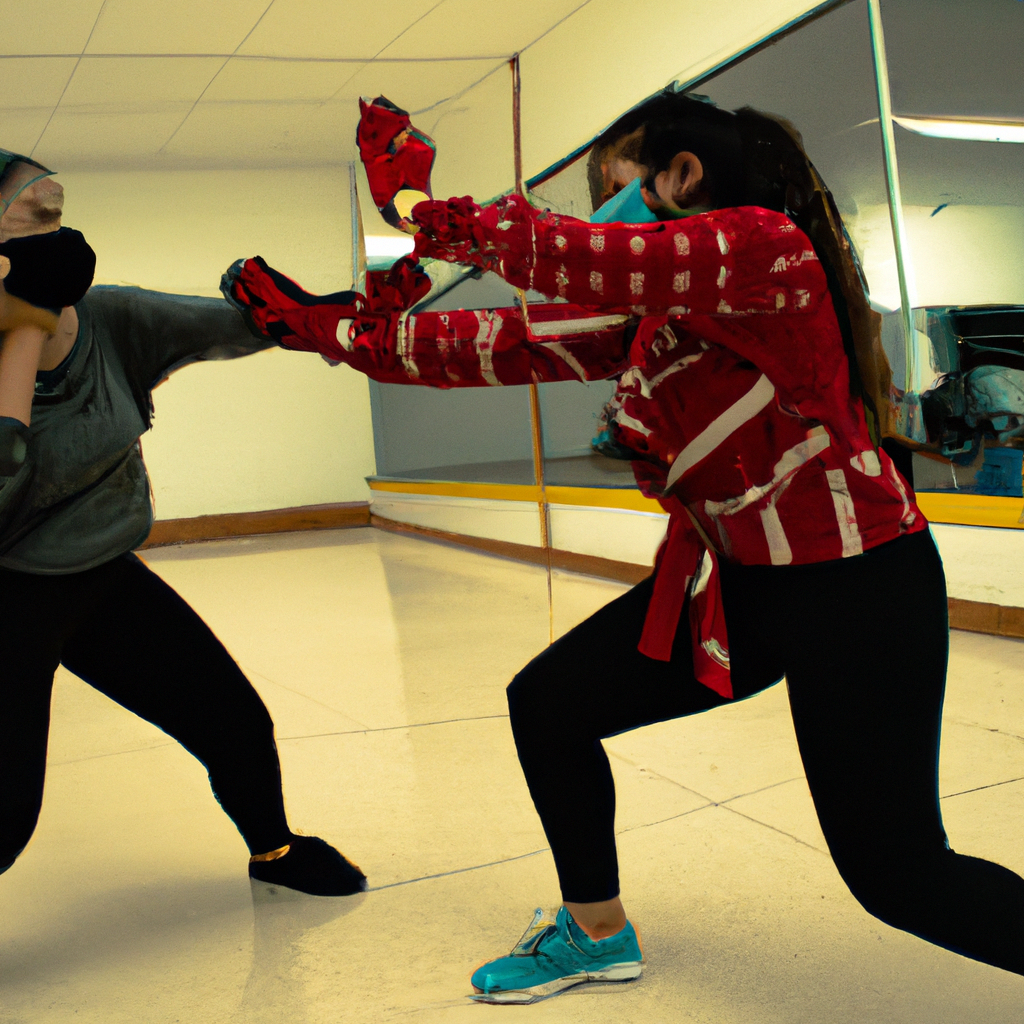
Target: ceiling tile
33, 81
131, 138
327, 28
419, 87
258, 80
134, 82
469, 28
46, 26
184, 26
22, 128
264, 135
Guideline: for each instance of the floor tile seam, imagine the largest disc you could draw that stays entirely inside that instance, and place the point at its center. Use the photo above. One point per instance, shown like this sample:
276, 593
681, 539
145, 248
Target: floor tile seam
280, 739
111, 753
702, 796
298, 693
545, 849
460, 871
722, 804
984, 728
781, 832
978, 789
446, 1004
390, 728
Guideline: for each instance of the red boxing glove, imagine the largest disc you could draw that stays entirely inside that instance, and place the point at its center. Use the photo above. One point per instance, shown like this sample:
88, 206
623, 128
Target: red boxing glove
396, 155
498, 236
276, 307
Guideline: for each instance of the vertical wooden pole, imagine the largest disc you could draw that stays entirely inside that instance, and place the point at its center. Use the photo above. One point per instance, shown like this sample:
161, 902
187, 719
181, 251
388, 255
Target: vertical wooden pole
536, 431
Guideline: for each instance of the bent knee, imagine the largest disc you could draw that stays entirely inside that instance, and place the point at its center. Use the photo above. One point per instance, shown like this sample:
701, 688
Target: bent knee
900, 893
524, 687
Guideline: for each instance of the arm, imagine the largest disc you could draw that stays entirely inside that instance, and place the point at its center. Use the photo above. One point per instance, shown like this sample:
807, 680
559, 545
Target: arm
736, 261
746, 279
460, 348
157, 333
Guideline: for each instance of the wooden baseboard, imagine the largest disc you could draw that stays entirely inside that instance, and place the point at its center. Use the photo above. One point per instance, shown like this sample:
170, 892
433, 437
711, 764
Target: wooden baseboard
980, 617
974, 616
247, 524
588, 565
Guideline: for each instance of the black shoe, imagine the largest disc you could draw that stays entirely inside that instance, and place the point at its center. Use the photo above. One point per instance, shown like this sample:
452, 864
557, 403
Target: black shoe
311, 866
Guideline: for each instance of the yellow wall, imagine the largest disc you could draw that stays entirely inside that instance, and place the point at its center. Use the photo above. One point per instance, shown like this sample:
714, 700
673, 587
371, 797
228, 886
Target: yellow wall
610, 55
273, 430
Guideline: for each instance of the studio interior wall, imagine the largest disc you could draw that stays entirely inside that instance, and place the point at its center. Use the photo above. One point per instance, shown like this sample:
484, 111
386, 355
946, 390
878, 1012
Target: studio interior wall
593, 66
273, 430
959, 255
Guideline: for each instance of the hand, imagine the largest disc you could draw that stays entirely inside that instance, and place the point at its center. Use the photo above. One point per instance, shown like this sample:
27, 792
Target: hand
275, 307
264, 297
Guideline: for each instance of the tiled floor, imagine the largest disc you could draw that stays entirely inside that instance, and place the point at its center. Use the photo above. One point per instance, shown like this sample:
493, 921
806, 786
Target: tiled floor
383, 660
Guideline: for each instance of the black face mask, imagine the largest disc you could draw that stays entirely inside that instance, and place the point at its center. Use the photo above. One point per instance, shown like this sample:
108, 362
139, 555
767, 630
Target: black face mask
51, 270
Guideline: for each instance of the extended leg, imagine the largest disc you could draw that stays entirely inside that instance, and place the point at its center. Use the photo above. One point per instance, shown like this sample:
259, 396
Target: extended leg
144, 647
32, 615
866, 685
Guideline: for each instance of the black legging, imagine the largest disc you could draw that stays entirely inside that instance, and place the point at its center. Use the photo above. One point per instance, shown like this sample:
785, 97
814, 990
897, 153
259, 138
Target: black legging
863, 645
127, 633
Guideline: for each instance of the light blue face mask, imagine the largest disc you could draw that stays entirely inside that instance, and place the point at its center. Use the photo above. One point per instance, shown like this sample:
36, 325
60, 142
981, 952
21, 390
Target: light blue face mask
625, 207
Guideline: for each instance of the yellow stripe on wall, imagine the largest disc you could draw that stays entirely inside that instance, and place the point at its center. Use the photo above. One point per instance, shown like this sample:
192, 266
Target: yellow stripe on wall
938, 506
488, 492
603, 497
971, 509
627, 498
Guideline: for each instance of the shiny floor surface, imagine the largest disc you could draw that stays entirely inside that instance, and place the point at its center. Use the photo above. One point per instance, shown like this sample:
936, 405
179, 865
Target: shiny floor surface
383, 660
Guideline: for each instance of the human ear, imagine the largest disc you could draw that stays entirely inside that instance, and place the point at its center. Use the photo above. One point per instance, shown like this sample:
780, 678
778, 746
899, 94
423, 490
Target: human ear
692, 173
5, 267
677, 186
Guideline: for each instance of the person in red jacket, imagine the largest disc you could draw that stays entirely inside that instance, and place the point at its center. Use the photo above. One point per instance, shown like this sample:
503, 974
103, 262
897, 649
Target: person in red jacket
730, 321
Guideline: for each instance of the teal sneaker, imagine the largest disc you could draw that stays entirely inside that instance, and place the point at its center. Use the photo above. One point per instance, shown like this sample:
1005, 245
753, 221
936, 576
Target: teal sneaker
553, 956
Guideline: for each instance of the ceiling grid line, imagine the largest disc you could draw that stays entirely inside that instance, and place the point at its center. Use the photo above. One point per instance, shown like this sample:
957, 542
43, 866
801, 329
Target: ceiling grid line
382, 49
469, 88
504, 60
215, 76
548, 31
254, 57
67, 84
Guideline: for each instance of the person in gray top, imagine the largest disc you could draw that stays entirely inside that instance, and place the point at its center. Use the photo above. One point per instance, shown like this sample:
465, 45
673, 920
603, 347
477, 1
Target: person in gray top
76, 373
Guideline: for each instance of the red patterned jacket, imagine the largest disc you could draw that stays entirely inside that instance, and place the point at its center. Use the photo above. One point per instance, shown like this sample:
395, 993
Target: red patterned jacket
735, 386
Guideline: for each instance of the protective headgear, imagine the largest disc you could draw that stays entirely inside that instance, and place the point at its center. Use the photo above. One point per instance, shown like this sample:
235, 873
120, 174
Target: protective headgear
16, 174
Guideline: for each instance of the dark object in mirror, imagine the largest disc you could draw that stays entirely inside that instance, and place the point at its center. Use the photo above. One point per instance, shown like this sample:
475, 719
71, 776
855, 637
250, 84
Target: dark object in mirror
982, 396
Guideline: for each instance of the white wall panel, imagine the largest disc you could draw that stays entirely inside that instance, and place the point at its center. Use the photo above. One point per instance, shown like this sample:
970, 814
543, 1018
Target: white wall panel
516, 522
274, 430
619, 534
982, 564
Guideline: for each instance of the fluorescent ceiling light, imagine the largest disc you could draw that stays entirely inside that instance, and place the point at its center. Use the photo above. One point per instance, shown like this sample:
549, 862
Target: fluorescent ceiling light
977, 131
389, 245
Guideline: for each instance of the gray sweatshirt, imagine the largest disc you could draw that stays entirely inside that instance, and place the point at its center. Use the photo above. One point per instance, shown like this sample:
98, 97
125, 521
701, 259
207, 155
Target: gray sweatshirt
73, 488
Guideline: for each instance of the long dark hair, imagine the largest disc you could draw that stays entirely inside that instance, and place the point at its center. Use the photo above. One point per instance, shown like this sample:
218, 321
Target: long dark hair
755, 159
